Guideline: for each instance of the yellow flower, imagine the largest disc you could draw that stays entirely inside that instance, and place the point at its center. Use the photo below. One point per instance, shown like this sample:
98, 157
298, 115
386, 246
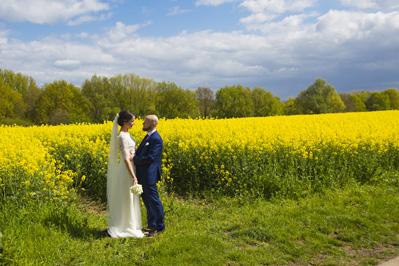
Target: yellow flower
212, 144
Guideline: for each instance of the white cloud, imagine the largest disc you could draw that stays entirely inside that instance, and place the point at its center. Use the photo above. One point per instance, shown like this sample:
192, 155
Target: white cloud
67, 64
372, 4
3, 31
289, 27
276, 6
47, 11
176, 10
365, 4
292, 50
257, 18
212, 2
54, 59
341, 26
87, 18
146, 11
265, 11
122, 31
3, 38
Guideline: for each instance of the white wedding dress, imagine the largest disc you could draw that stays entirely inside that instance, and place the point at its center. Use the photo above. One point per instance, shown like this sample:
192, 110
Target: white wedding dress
124, 218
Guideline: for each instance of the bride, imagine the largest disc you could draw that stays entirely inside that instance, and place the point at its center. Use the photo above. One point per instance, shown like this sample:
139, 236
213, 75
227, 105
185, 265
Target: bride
124, 218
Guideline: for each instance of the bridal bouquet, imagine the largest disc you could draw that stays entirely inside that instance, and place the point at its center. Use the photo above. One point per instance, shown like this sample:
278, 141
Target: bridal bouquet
136, 189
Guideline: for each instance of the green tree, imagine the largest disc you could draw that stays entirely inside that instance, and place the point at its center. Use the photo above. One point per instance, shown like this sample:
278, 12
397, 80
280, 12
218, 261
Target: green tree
360, 99
290, 107
25, 86
319, 98
101, 106
30, 98
349, 101
17, 82
234, 101
11, 101
117, 93
265, 104
360, 106
393, 95
139, 93
173, 101
206, 101
353, 102
61, 102
377, 101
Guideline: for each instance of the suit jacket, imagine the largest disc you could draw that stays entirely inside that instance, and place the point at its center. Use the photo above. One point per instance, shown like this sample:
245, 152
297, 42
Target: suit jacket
148, 160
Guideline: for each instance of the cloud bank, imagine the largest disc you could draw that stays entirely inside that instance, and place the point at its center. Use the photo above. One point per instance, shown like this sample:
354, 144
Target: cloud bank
48, 11
286, 45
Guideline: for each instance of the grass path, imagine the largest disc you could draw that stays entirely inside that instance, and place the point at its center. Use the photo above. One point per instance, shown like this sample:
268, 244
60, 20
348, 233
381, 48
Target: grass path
359, 226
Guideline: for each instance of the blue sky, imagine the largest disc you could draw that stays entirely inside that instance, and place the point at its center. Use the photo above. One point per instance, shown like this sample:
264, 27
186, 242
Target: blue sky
280, 45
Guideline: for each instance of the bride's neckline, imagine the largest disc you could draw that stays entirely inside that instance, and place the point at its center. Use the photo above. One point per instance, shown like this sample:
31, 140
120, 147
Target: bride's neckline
122, 132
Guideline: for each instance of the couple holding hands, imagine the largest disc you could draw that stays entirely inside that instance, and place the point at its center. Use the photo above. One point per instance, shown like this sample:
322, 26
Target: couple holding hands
137, 166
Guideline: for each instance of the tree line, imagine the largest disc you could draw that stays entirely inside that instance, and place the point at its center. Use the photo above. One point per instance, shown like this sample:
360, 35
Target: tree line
100, 98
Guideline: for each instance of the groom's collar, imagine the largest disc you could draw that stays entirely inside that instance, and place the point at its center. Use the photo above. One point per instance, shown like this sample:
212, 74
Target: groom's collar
152, 132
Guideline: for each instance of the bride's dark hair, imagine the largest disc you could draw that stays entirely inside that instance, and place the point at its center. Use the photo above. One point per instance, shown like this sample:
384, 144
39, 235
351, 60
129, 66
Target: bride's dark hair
124, 116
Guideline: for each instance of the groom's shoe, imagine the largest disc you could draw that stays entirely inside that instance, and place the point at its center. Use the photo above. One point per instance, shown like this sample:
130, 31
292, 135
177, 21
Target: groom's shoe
151, 234
154, 233
149, 230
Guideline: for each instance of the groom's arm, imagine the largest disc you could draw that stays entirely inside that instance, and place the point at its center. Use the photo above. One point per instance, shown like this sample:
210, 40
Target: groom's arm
154, 152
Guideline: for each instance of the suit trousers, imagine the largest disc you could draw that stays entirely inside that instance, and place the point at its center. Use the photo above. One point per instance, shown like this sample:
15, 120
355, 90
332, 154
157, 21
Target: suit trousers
155, 213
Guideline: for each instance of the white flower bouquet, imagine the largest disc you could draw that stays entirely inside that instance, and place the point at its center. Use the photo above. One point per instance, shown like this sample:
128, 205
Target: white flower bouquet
136, 189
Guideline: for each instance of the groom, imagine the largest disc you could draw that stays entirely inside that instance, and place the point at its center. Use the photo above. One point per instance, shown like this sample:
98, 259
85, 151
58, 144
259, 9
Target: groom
148, 170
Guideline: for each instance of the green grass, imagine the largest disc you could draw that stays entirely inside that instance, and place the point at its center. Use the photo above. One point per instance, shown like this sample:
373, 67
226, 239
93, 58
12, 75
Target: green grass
355, 226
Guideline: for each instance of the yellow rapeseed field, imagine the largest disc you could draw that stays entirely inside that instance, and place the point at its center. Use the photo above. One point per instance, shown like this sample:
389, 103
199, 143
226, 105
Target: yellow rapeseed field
238, 157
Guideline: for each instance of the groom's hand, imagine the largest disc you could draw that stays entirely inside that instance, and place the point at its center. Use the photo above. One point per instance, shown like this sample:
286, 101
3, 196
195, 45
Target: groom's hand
131, 156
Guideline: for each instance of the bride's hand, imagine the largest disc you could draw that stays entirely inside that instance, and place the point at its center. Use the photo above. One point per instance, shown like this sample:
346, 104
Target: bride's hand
134, 181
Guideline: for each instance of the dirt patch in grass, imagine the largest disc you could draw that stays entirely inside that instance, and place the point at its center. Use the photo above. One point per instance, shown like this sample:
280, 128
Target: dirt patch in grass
362, 256
380, 253
89, 205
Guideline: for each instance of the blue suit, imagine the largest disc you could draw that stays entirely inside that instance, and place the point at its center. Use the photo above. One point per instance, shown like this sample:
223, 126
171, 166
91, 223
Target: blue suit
148, 161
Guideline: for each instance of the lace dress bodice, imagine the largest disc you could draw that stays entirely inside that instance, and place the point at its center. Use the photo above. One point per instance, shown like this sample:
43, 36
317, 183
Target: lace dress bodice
127, 145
